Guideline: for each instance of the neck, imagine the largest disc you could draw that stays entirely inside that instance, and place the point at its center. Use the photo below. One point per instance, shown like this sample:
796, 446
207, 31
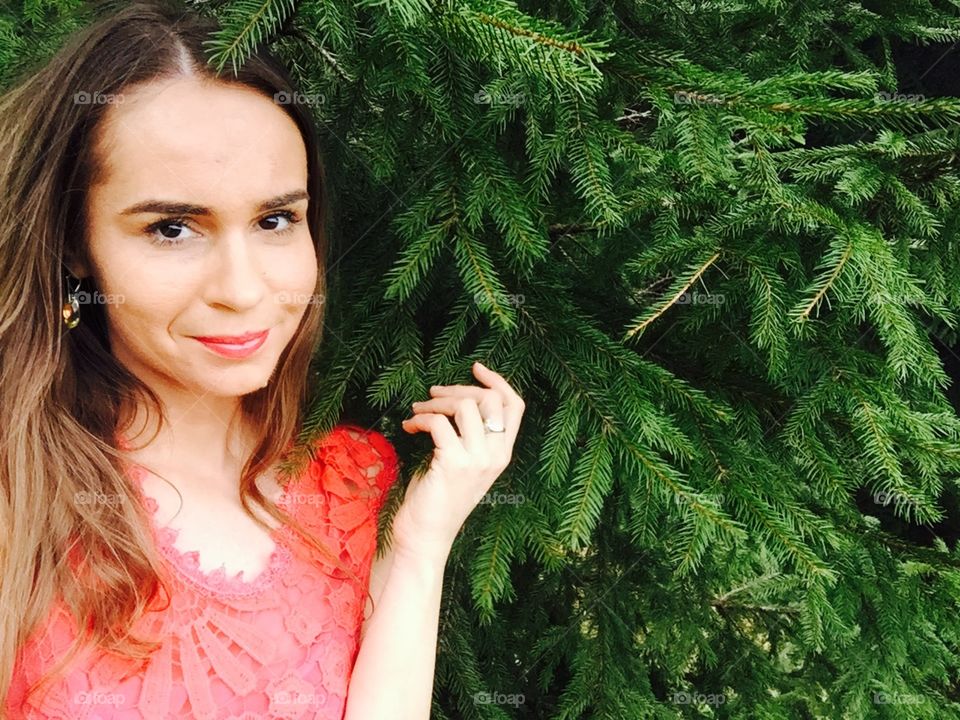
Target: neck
205, 436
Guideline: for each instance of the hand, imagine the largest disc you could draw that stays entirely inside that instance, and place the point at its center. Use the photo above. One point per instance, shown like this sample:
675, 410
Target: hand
464, 466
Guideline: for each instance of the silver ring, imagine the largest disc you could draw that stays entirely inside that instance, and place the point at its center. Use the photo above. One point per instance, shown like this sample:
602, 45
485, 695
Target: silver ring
491, 428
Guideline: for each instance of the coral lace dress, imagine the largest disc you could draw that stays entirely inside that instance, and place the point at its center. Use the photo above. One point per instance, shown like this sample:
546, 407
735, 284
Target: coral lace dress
281, 645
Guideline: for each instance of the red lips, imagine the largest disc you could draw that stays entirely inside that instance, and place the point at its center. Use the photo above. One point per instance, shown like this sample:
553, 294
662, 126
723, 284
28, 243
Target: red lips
236, 347
231, 339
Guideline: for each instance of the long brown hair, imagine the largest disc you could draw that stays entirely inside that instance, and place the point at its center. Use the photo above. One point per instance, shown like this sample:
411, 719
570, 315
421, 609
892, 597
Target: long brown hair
61, 391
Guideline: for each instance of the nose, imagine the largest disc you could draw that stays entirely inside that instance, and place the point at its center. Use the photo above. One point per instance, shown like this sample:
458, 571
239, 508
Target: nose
234, 278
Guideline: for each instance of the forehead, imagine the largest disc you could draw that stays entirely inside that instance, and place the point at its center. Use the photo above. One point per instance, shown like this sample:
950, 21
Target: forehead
207, 140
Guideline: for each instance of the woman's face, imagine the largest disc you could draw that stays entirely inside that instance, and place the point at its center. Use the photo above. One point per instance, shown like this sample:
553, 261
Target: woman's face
198, 229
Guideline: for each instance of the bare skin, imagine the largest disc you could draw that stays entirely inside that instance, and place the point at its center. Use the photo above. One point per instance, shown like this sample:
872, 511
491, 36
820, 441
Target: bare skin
229, 150
240, 267
228, 538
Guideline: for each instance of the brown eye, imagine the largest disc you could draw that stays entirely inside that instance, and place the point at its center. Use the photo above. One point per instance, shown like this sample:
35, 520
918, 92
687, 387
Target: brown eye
284, 216
166, 232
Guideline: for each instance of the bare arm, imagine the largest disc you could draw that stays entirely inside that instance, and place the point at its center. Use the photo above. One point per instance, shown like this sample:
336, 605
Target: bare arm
393, 675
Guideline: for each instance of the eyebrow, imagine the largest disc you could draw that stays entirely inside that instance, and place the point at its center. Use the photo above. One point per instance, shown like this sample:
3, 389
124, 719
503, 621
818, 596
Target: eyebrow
165, 207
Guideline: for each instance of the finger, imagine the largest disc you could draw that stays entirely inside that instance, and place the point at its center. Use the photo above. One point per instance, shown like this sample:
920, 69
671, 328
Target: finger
466, 414
439, 427
512, 402
461, 391
495, 383
488, 377
493, 380
490, 408
496, 441
513, 405
489, 401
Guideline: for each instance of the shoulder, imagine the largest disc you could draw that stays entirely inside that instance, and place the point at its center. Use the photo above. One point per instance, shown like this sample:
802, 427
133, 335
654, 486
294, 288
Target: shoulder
356, 462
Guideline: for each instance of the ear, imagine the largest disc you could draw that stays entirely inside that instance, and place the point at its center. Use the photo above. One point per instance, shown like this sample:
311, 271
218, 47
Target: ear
76, 265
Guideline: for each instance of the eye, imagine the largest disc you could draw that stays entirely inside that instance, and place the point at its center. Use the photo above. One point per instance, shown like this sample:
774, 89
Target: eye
289, 218
165, 233
169, 232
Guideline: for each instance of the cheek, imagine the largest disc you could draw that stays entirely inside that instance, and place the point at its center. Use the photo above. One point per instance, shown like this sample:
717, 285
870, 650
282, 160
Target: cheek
290, 277
307, 276
143, 296
147, 311
297, 272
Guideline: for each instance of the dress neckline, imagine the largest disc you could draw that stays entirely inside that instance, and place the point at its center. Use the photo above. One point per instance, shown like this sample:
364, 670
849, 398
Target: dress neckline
217, 581
186, 563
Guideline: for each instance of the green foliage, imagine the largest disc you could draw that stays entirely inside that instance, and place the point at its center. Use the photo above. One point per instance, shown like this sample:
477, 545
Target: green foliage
713, 244
33, 31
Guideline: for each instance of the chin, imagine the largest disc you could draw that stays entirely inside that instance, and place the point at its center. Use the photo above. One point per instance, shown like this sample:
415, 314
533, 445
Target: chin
222, 385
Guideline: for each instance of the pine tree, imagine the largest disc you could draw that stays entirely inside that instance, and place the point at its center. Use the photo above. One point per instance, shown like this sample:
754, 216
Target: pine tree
714, 245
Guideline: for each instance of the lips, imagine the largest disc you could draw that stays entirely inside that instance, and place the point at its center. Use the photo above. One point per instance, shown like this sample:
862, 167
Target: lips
237, 347
231, 339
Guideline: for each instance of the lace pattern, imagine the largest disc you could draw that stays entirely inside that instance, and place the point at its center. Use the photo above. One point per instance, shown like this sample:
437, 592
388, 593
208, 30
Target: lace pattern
281, 645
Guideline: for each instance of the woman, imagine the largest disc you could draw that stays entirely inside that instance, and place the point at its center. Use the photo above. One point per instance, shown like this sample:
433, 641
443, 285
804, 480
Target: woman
161, 246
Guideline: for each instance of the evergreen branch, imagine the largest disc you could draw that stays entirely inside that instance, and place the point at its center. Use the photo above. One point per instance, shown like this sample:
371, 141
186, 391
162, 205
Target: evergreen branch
534, 47
491, 565
482, 281
613, 429
322, 52
409, 12
592, 481
591, 172
823, 285
639, 327
778, 609
767, 323
559, 441
539, 38
246, 24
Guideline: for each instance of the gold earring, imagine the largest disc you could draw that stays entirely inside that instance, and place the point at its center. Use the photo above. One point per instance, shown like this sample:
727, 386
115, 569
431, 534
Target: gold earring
71, 308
